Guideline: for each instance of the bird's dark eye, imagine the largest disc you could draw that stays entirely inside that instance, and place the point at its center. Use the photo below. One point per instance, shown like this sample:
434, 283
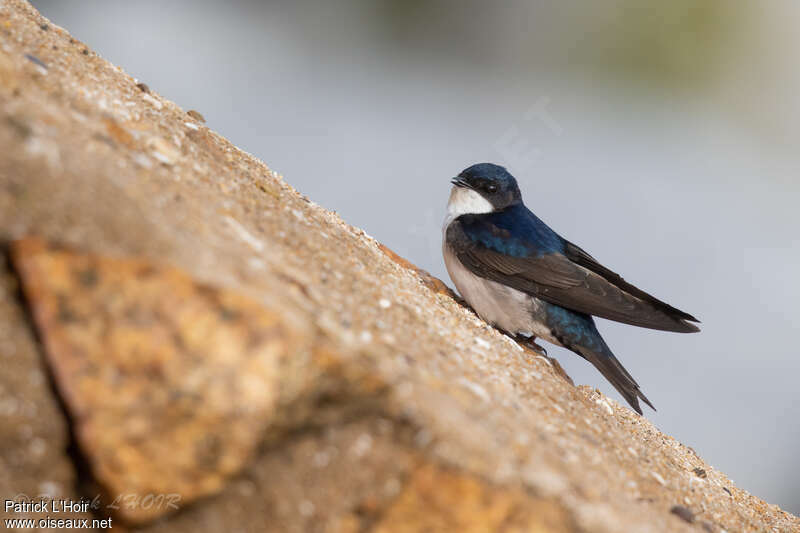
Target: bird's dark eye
491, 188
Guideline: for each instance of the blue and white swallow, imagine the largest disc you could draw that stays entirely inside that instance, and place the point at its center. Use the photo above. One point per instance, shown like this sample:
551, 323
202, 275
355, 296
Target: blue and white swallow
523, 278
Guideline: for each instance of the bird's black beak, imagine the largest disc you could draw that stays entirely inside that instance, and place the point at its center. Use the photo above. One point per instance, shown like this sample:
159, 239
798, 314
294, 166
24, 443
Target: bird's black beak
460, 182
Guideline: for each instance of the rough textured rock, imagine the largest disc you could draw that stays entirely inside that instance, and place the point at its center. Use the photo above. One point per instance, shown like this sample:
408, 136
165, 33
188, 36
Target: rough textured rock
33, 432
170, 384
435, 499
393, 400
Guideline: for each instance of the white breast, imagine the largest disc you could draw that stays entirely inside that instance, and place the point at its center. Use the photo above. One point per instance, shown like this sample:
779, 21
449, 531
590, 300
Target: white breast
511, 310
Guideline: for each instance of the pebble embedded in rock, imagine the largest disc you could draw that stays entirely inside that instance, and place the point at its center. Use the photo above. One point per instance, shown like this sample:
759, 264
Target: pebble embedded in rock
153, 101
684, 513
196, 115
35, 60
163, 150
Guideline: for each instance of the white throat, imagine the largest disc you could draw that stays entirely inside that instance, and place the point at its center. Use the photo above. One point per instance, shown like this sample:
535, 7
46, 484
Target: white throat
465, 201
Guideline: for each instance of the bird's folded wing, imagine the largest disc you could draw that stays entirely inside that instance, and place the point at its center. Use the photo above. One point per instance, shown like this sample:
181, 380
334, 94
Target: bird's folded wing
572, 279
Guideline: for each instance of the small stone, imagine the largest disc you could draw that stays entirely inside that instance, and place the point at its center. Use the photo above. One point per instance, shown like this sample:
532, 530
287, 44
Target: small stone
196, 115
701, 473
683, 513
36, 61
44, 27
658, 478
482, 343
155, 103
163, 151
602, 402
143, 87
142, 160
476, 389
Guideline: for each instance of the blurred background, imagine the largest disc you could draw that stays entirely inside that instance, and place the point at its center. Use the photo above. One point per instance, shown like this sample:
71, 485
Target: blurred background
659, 136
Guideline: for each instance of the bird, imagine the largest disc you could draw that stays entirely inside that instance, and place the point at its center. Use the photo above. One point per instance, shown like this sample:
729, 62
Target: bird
523, 278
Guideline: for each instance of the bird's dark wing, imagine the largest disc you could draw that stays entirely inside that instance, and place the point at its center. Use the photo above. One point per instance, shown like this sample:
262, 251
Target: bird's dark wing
579, 256
568, 276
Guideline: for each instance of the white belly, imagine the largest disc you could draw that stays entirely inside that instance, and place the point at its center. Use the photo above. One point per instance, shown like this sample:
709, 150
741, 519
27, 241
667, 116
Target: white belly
511, 310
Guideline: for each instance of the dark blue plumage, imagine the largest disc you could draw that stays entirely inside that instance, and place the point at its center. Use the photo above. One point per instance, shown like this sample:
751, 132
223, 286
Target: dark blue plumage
577, 329
489, 171
521, 276
514, 231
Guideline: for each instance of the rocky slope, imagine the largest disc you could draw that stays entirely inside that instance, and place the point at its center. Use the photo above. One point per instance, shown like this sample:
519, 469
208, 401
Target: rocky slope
190, 340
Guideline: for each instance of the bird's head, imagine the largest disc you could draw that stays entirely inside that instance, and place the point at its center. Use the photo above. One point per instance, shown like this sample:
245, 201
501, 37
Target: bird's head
482, 188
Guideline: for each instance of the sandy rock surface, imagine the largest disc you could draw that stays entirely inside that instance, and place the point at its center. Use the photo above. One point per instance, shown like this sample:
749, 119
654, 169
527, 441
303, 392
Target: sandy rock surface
330, 385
